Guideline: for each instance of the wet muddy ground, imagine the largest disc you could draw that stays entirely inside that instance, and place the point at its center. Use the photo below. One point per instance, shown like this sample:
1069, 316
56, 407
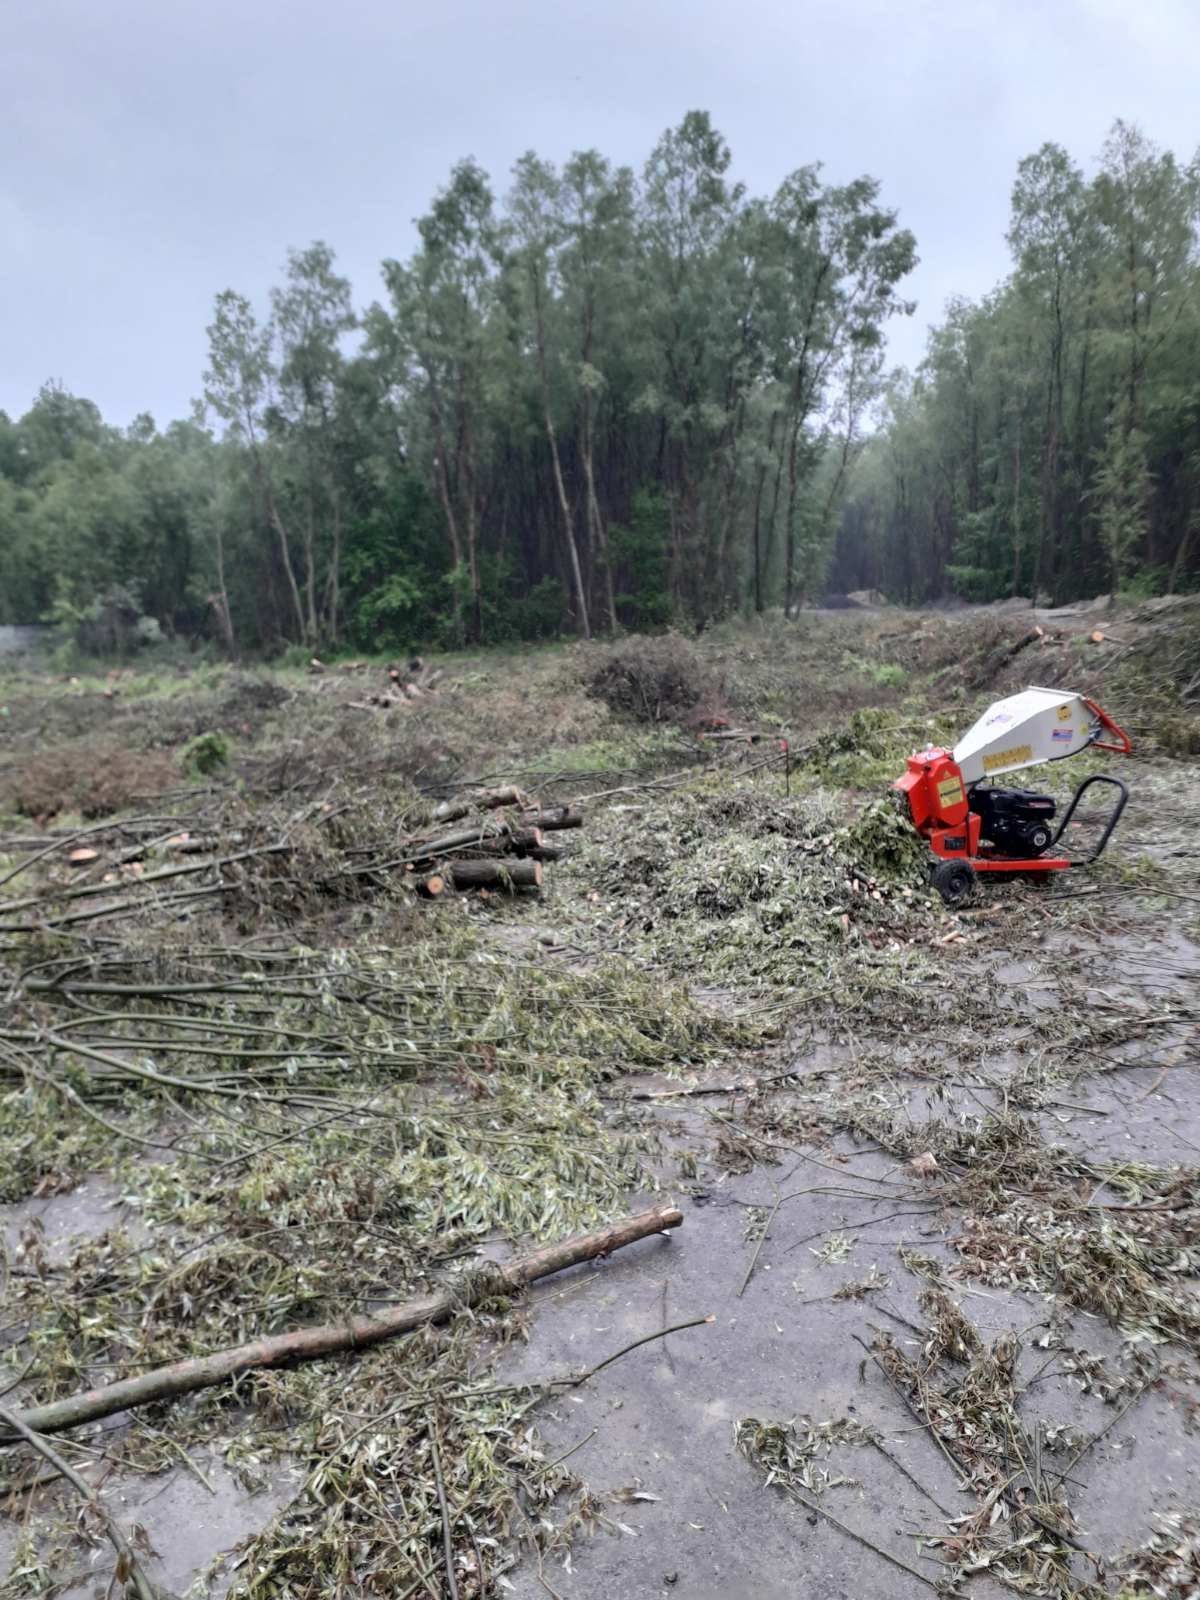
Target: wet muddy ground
653, 1435
680, 1511
691, 1516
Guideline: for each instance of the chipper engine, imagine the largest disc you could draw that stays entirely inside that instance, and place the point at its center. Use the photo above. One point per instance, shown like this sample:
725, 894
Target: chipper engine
973, 824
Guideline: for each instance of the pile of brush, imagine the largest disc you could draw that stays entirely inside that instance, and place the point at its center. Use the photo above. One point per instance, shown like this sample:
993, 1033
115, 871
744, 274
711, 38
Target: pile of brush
493, 840
401, 687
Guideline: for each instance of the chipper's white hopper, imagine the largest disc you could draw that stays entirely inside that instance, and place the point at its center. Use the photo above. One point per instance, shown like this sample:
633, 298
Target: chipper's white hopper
1033, 726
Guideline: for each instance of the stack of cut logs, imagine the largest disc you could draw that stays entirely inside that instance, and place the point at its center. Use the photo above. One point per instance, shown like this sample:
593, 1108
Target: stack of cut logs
493, 841
403, 686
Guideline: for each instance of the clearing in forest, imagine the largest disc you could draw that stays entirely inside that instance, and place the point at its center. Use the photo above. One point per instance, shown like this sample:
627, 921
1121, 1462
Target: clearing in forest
325, 992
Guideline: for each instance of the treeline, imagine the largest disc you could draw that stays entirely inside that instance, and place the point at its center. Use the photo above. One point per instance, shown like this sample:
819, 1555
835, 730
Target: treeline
1049, 444
600, 400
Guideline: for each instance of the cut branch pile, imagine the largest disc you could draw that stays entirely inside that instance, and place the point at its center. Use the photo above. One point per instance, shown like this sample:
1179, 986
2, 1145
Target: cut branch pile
402, 686
493, 841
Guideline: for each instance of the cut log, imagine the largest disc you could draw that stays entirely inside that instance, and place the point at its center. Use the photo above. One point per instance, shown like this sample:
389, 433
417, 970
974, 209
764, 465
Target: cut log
351, 1333
555, 817
546, 852
83, 857
432, 886
447, 843
489, 800
185, 845
496, 874
525, 843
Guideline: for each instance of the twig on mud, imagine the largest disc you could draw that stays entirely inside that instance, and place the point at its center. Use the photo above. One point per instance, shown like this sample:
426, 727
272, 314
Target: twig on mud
40, 1480
539, 1389
1091, 1443
781, 1200
422, 1581
128, 1565
750, 1085
447, 1533
925, 1423
790, 1488
916, 1482
174, 1445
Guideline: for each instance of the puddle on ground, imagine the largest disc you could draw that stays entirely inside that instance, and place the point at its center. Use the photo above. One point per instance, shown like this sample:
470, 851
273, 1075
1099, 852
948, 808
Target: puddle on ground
87, 1211
188, 1525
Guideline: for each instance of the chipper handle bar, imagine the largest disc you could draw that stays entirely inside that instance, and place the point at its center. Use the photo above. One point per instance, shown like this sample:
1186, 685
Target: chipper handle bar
1120, 741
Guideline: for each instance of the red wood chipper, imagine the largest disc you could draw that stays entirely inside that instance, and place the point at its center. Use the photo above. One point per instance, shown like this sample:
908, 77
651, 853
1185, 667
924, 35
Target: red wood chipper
973, 824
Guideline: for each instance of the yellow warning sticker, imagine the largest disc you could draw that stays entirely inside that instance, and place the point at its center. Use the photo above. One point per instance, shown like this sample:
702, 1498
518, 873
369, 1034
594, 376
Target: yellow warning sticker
950, 791
1064, 713
1019, 754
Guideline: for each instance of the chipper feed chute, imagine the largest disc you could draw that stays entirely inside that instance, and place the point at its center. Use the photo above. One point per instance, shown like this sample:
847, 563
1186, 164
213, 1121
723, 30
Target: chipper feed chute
1033, 726
972, 824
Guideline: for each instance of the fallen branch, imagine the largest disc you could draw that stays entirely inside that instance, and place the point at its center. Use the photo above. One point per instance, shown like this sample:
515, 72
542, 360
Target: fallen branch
447, 812
310, 1344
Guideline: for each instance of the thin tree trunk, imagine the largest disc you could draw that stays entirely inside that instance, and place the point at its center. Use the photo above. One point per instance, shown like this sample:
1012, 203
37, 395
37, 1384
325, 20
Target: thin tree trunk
1016, 576
286, 559
263, 479
472, 532
442, 472
789, 581
335, 564
224, 615
310, 567
726, 513
1179, 565
758, 494
773, 520
596, 521
564, 505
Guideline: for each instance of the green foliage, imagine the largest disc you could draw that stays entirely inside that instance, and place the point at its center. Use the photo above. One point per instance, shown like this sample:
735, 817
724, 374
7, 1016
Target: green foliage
883, 674
1049, 444
396, 594
205, 754
640, 554
567, 415
1148, 584
511, 609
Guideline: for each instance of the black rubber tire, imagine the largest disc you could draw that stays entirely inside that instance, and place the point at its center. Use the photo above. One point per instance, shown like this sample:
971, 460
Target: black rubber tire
955, 881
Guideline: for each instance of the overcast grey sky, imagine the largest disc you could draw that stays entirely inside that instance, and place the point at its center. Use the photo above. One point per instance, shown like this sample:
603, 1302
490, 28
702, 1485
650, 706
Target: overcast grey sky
156, 151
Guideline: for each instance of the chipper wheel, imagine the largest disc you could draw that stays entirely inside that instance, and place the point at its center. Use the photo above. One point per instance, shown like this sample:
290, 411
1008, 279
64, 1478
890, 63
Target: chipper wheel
955, 881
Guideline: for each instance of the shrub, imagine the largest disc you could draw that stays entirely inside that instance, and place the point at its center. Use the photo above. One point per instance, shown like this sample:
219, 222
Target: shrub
207, 753
653, 679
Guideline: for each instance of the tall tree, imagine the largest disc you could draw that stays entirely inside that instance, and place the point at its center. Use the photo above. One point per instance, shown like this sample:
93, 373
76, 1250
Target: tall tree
538, 232
239, 384
311, 315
